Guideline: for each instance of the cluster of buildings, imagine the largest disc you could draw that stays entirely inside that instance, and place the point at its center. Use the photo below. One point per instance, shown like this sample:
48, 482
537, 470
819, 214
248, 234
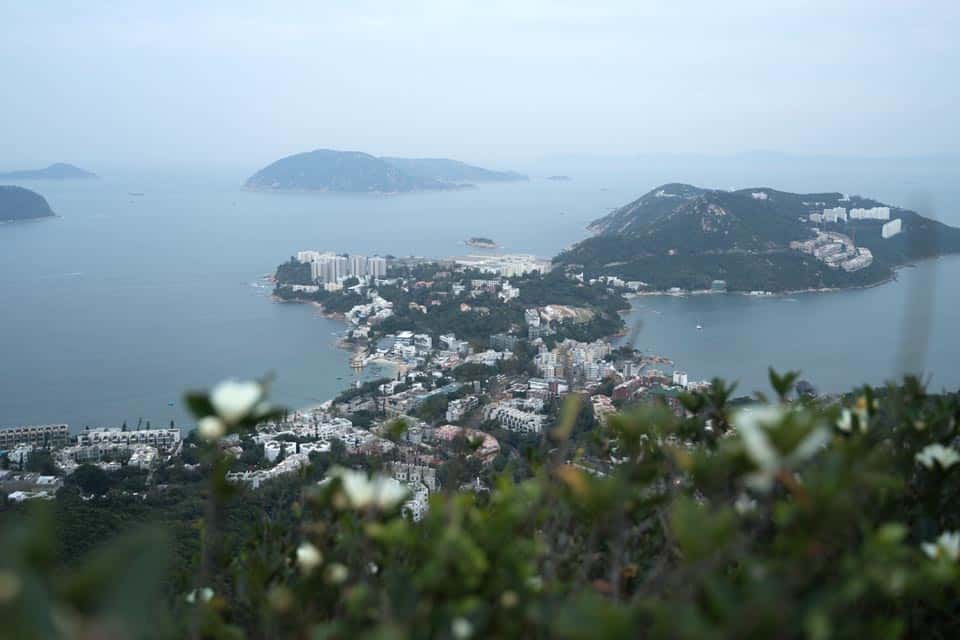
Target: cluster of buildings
108, 448
330, 268
839, 214
508, 266
362, 316
20, 486
580, 362
313, 430
835, 250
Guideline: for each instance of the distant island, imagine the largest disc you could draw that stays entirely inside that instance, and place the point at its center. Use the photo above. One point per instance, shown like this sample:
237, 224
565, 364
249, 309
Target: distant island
356, 172
56, 171
482, 243
683, 237
17, 203
559, 178
452, 171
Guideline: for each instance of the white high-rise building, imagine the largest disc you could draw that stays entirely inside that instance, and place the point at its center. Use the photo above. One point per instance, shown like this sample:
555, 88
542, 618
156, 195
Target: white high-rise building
377, 266
358, 266
341, 267
308, 256
874, 213
891, 229
836, 214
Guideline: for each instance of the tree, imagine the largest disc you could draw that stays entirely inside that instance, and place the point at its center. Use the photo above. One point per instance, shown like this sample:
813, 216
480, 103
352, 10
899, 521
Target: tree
41, 461
91, 479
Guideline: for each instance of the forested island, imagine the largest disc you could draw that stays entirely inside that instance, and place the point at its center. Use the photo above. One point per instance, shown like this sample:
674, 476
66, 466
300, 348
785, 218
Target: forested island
356, 172
56, 171
686, 237
17, 203
481, 242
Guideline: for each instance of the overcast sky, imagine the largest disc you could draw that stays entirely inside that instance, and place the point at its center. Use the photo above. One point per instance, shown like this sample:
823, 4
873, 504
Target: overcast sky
240, 84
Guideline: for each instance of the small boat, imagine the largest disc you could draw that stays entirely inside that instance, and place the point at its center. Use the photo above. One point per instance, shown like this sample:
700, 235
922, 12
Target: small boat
699, 327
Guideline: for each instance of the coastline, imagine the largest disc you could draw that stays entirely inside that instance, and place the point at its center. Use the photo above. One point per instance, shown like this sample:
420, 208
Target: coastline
773, 294
358, 352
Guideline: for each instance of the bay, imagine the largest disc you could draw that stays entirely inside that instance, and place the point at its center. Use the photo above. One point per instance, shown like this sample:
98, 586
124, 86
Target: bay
111, 310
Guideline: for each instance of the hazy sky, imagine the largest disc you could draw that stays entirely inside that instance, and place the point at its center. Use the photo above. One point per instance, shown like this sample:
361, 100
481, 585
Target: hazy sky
239, 84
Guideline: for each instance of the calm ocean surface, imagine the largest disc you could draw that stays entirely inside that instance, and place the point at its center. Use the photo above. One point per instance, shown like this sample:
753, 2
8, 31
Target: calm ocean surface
111, 310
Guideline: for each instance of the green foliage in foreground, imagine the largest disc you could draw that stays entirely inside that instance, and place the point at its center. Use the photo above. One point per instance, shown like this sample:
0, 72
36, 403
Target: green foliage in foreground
788, 521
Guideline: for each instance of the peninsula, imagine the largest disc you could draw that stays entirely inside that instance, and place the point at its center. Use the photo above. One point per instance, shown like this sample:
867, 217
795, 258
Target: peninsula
17, 203
682, 237
56, 171
356, 172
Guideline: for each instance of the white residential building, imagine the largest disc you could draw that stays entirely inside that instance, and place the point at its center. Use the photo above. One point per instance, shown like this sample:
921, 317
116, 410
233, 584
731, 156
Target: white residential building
836, 214
289, 465
162, 439
408, 473
377, 267
458, 408
891, 228
514, 419
52, 435
874, 213
358, 266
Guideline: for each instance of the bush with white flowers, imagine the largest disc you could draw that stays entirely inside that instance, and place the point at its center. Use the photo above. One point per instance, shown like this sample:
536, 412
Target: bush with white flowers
797, 519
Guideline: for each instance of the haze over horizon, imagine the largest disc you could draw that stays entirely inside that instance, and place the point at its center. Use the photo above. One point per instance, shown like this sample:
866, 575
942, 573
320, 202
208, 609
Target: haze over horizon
498, 85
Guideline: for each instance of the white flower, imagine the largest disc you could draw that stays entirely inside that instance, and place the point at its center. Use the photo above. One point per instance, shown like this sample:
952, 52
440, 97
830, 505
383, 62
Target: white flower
388, 493
938, 454
845, 422
203, 595
233, 400
744, 504
211, 428
356, 486
308, 557
461, 628
337, 573
362, 491
754, 425
946, 546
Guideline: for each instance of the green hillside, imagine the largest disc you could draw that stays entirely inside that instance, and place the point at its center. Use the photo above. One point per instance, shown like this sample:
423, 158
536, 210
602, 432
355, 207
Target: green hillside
678, 235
